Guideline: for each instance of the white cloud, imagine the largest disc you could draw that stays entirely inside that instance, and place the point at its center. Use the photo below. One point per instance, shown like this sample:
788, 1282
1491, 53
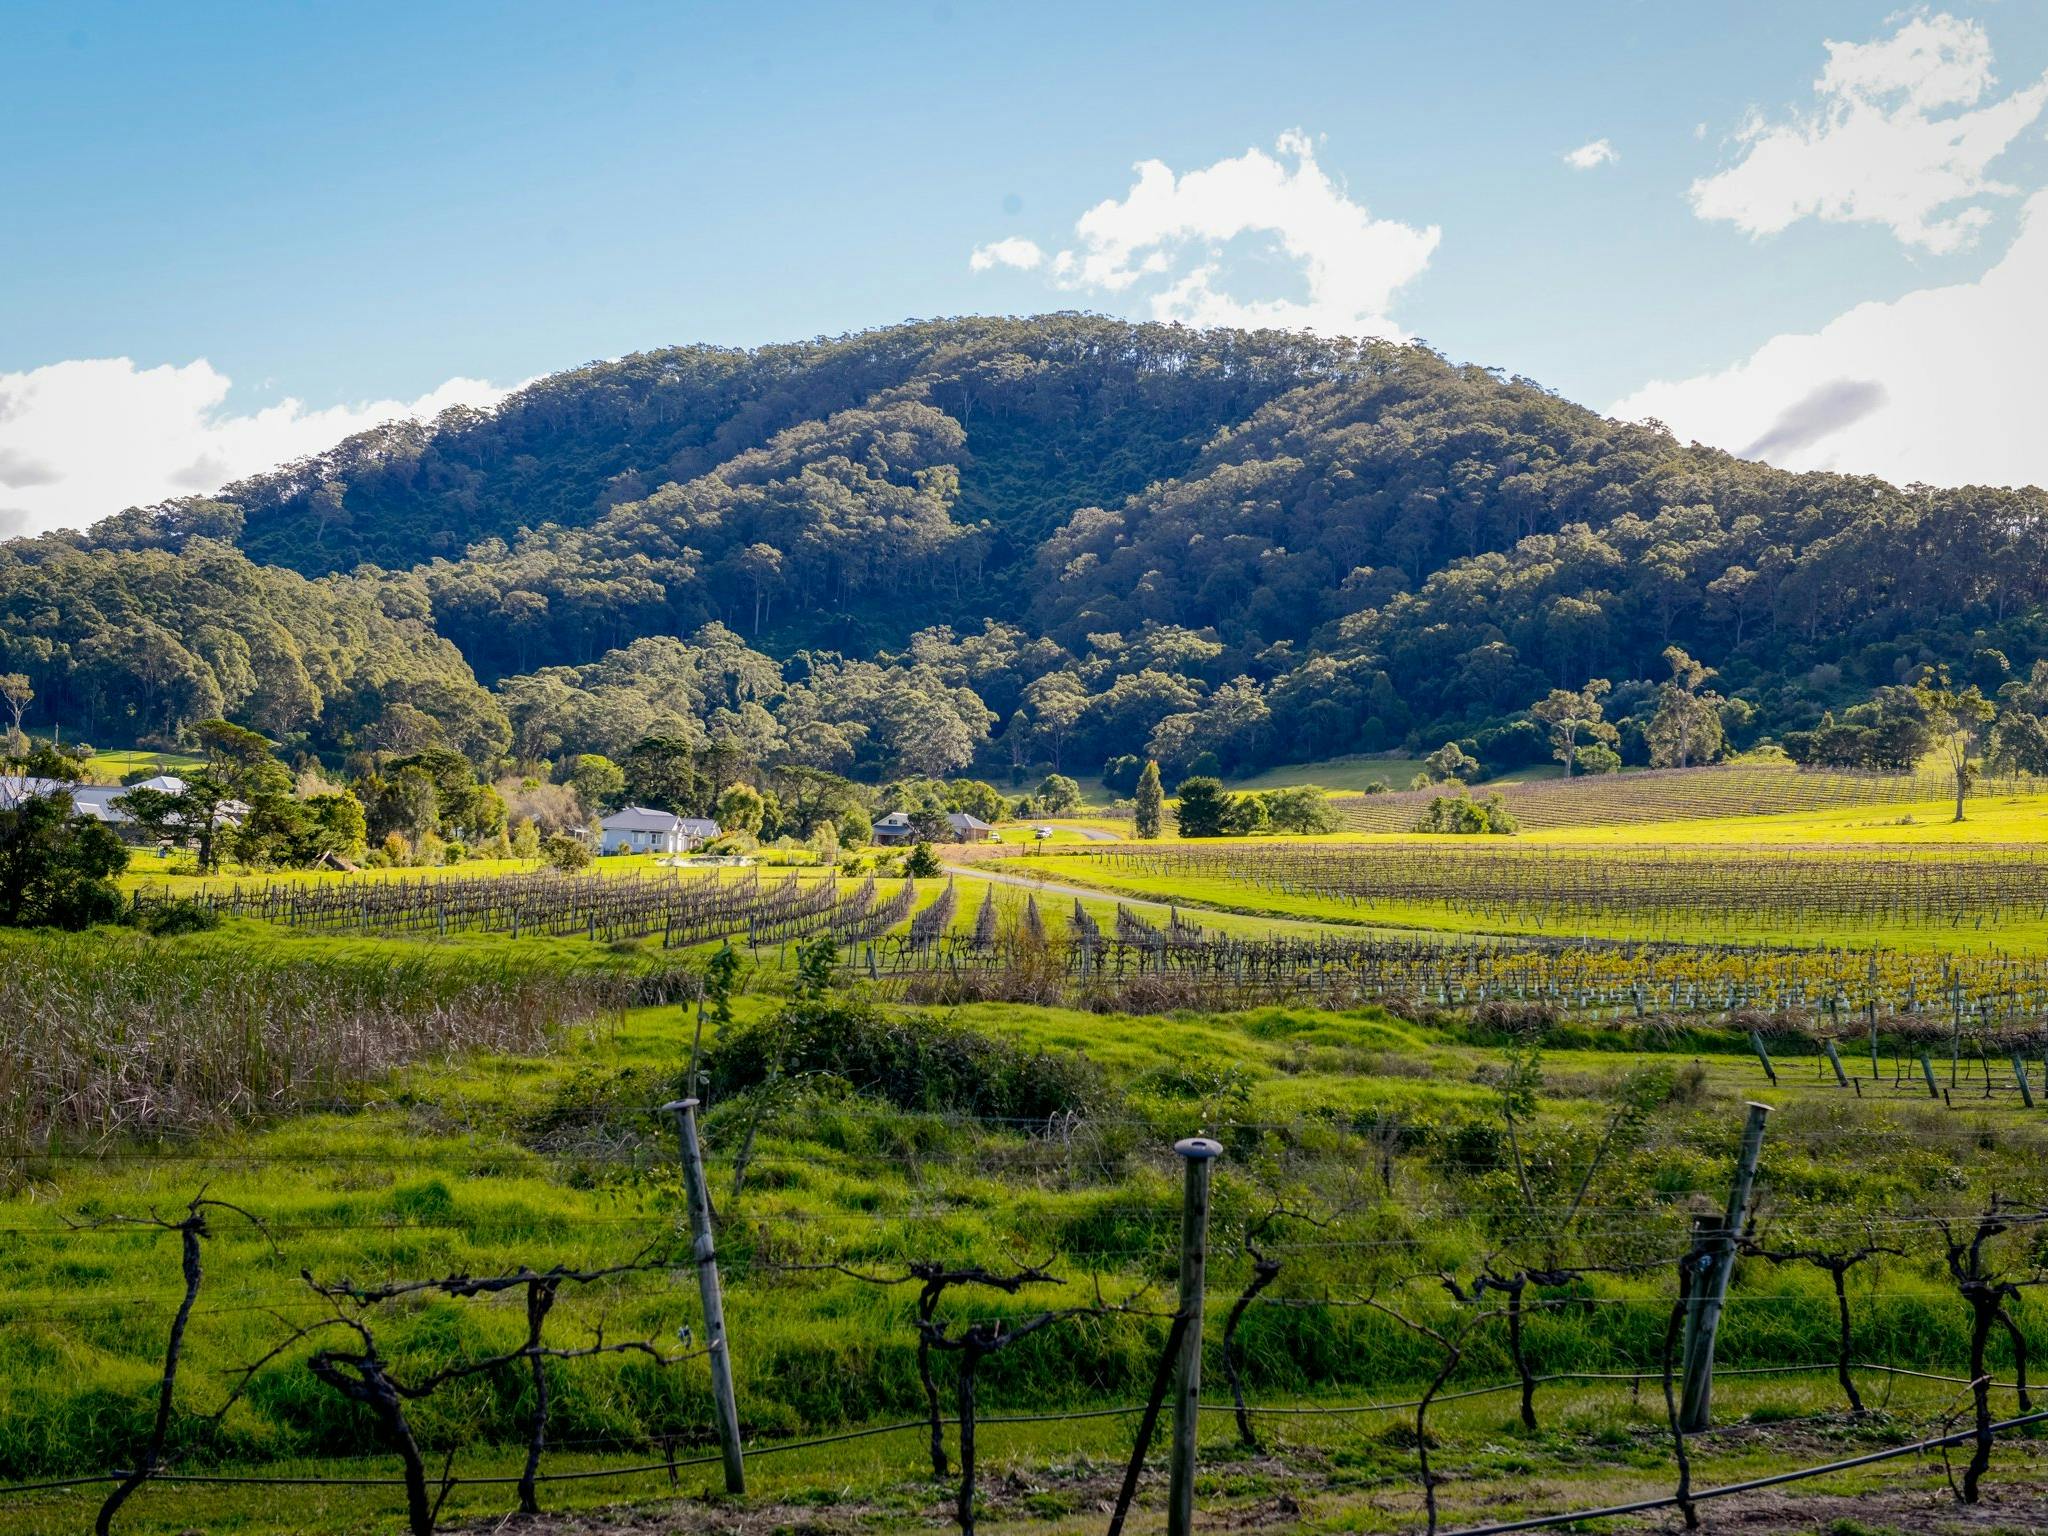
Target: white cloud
1873, 152
1163, 244
81, 440
1941, 386
1014, 252
1588, 156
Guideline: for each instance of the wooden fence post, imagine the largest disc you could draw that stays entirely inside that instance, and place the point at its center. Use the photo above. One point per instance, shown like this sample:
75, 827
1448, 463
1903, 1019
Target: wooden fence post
1198, 1154
1715, 1260
725, 1407
1756, 1043
1835, 1061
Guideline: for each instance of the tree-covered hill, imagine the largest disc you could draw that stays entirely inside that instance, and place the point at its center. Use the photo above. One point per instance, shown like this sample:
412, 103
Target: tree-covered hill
1060, 539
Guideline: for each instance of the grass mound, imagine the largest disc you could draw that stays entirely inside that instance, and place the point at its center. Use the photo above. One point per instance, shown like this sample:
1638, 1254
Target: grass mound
914, 1061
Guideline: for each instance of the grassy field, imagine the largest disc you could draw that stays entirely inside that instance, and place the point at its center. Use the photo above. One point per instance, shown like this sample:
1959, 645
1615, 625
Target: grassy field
484, 1162
1999, 818
113, 767
1337, 773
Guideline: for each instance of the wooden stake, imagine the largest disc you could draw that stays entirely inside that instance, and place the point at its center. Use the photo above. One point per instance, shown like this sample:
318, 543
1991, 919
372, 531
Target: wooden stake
1198, 1153
1714, 1261
725, 1407
1756, 1043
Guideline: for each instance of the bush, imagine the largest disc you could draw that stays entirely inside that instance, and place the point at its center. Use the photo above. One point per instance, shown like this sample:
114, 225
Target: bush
915, 1061
1304, 809
1598, 757
566, 853
1461, 814
182, 915
922, 863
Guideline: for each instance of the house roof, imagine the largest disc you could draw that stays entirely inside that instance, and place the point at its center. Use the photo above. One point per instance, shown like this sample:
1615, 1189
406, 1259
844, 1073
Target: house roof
17, 787
99, 801
640, 818
895, 819
102, 802
961, 821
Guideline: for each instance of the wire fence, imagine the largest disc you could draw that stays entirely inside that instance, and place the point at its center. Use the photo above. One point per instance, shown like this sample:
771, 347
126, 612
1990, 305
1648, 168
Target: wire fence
1988, 1254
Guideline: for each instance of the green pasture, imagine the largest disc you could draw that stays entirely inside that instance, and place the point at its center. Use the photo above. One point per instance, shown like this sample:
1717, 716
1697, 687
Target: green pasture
113, 767
2004, 818
1348, 774
481, 1164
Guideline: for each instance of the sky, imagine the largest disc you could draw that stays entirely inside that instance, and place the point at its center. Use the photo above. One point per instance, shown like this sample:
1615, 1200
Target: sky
230, 235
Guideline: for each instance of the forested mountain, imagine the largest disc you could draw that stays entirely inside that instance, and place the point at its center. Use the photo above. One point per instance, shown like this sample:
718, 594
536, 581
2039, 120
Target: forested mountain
1058, 539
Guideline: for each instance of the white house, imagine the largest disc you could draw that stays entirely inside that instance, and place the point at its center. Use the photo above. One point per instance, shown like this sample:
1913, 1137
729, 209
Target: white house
636, 829
894, 828
102, 802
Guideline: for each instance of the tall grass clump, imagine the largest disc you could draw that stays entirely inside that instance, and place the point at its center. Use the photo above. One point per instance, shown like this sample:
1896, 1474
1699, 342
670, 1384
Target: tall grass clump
108, 1034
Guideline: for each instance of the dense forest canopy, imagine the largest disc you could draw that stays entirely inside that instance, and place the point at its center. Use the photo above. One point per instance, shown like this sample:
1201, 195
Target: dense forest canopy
1014, 543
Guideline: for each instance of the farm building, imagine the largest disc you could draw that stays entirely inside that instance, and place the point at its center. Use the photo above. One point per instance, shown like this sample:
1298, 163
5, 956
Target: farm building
897, 828
637, 829
970, 829
102, 802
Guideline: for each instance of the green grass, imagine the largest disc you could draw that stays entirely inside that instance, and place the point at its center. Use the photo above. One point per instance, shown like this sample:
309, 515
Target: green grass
484, 1163
2000, 818
1050, 1478
112, 767
1347, 774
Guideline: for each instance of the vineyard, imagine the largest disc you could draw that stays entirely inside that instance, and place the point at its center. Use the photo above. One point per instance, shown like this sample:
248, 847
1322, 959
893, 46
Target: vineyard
2002, 999
1653, 891
683, 909
1666, 794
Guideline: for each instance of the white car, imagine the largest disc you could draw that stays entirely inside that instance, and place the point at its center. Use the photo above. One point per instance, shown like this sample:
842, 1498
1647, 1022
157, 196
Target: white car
1041, 833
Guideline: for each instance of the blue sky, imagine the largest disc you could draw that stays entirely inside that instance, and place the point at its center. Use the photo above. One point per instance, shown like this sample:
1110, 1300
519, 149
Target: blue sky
345, 207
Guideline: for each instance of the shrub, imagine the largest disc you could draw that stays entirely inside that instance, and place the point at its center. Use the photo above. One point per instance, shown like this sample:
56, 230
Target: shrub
1461, 814
566, 853
914, 1061
182, 915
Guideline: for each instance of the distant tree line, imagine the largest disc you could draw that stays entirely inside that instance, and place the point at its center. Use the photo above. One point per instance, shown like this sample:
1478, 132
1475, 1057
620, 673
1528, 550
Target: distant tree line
1012, 547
